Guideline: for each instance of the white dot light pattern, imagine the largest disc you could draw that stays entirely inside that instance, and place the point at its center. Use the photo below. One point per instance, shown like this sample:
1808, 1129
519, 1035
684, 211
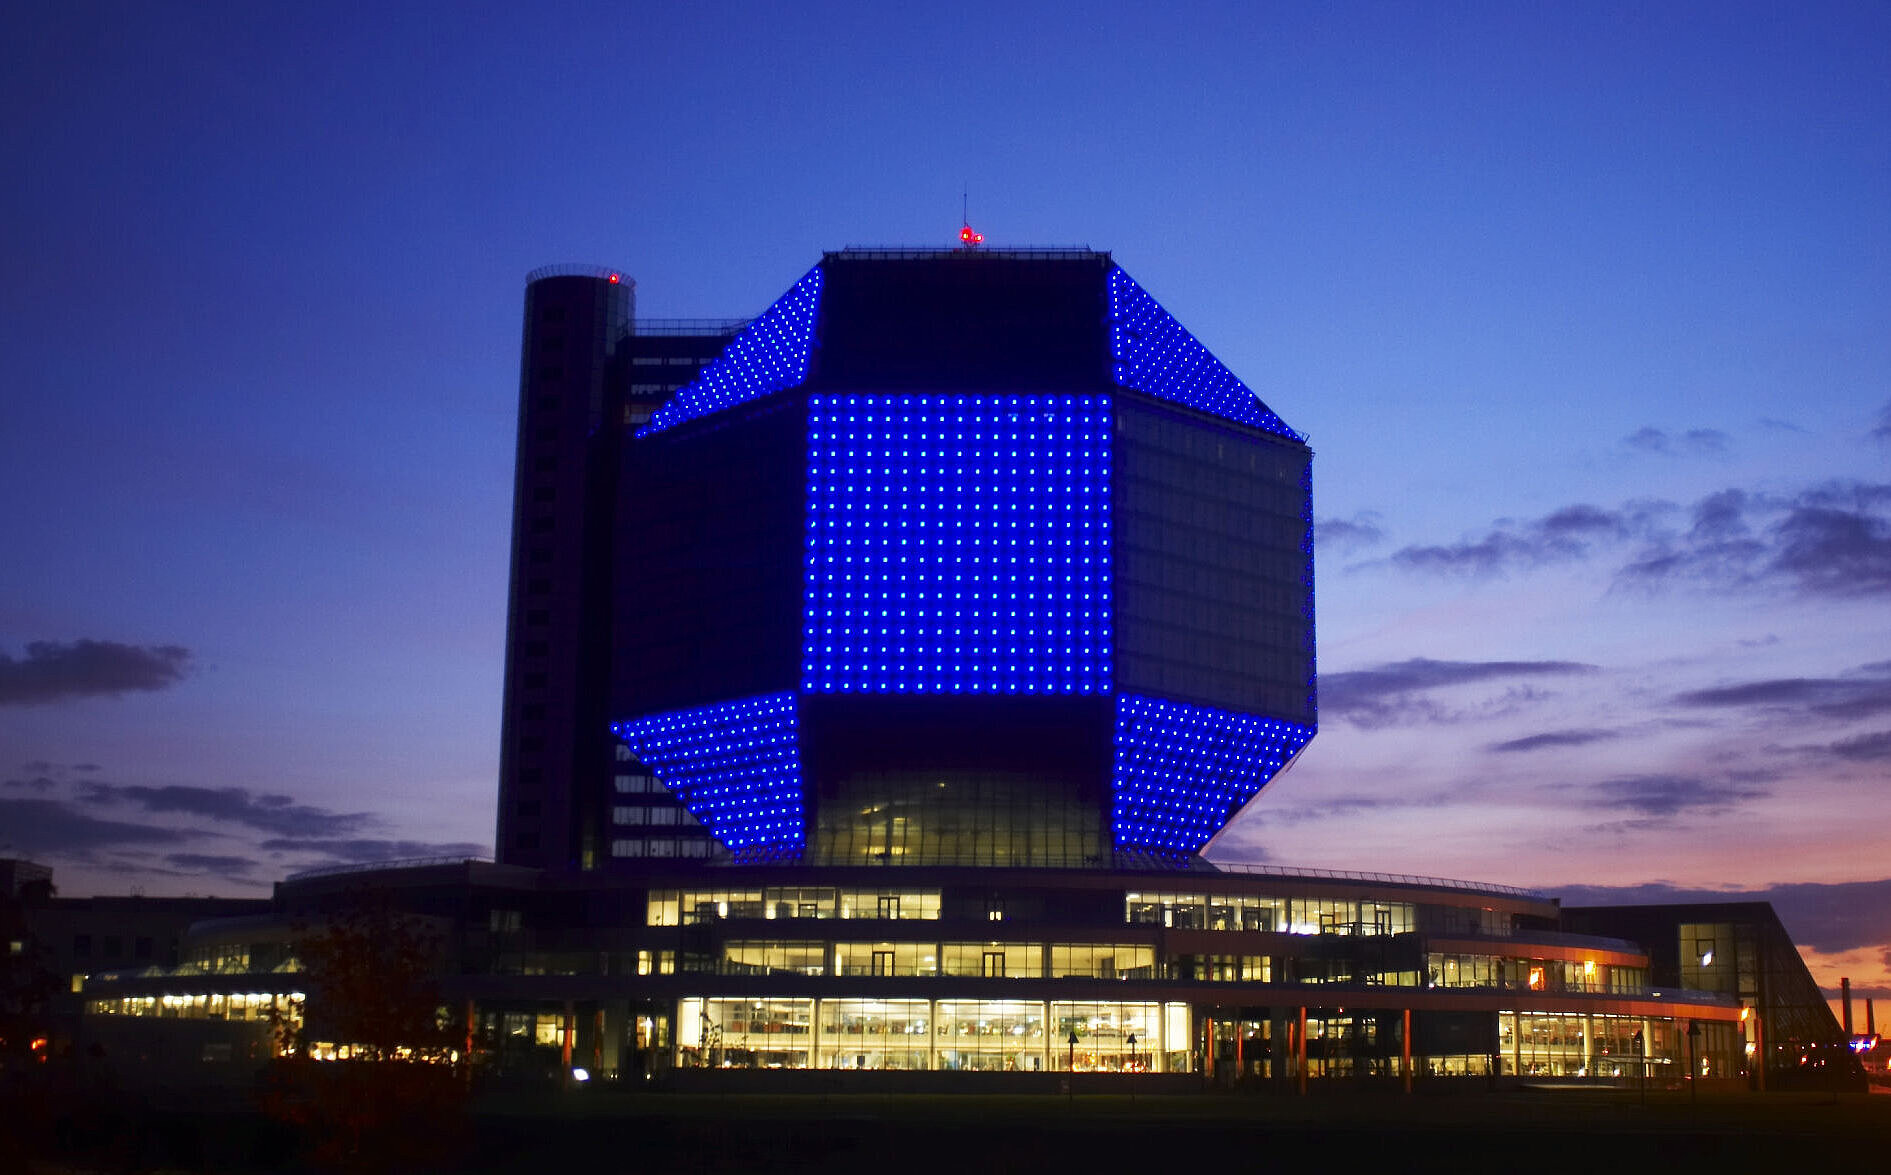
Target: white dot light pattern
735, 765
769, 356
1182, 771
1306, 582
958, 544
1155, 355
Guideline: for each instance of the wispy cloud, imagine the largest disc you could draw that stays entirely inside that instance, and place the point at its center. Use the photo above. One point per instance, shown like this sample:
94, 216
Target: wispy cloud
356, 850
1347, 535
1695, 441
1566, 535
1665, 796
1864, 748
1394, 693
277, 814
1825, 541
211, 863
1863, 693
36, 827
1555, 738
55, 672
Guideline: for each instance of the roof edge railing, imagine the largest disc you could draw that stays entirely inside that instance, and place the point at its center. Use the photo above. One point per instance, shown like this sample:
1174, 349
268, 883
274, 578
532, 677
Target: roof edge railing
578, 269
399, 863
1389, 878
925, 253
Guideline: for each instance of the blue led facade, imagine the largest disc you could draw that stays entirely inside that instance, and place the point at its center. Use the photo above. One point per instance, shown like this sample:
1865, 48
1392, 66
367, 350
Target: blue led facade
770, 355
1182, 771
735, 765
958, 544
962, 577
1155, 355
1306, 583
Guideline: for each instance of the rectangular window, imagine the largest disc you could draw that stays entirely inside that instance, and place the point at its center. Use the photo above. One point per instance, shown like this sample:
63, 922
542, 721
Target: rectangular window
997, 960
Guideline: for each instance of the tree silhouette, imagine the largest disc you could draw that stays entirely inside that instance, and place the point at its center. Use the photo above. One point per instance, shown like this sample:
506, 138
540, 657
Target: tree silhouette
388, 1094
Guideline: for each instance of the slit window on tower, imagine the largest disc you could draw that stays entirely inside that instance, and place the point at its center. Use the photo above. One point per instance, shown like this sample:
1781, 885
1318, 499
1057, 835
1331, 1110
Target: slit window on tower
958, 544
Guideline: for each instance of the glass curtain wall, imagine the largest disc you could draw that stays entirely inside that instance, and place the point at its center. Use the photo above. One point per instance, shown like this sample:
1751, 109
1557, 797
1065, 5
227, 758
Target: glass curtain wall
984, 1035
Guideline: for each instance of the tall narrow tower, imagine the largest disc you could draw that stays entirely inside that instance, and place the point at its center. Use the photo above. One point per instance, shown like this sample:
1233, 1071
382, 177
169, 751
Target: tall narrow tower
571, 411
590, 374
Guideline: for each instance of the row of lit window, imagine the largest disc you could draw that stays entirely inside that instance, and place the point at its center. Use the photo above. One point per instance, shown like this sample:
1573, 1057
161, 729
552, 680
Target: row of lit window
996, 960
673, 907
1197, 911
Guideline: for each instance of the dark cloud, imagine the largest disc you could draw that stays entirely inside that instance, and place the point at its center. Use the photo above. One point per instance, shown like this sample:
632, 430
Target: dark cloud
55, 672
355, 851
1865, 748
1664, 796
1829, 918
1881, 431
1565, 535
1834, 552
234, 805
45, 827
1349, 534
1555, 738
1649, 439
210, 863
37, 783
1393, 693
1862, 694
1826, 541
1832, 540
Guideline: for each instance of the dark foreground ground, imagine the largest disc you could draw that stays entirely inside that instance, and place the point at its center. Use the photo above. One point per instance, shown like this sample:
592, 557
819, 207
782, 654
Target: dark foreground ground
597, 1131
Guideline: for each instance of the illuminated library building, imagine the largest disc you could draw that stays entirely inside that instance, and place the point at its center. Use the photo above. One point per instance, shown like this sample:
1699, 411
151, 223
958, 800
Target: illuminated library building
878, 671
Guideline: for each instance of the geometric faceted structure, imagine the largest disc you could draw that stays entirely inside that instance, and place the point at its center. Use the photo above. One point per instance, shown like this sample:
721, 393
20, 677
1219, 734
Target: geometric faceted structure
965, 557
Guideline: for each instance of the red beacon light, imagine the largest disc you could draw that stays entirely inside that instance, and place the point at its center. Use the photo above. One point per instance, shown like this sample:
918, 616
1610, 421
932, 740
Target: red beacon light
613, 278
969, 238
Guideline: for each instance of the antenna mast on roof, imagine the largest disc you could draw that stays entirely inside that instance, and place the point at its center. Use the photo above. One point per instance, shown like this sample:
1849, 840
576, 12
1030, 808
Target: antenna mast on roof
967, 237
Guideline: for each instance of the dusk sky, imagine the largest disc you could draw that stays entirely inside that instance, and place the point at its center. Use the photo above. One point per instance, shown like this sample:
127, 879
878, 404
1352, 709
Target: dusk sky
1586, 310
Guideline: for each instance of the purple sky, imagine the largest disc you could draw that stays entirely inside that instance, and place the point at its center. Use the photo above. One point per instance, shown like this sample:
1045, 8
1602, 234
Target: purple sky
1585, 311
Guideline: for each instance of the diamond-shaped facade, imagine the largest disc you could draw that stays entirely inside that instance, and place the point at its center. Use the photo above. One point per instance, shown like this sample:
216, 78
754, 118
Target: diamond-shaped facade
965, 558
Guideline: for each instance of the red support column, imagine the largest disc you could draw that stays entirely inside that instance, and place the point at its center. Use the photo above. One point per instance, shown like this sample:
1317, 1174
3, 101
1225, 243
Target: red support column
1300, 1049
1405, 1050
564, 1051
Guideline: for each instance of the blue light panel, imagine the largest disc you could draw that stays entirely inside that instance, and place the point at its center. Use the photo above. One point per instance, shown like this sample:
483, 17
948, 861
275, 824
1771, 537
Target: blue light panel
1306, 581
769, 356
1154, 354
958, 544
735, 765
1183, 771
